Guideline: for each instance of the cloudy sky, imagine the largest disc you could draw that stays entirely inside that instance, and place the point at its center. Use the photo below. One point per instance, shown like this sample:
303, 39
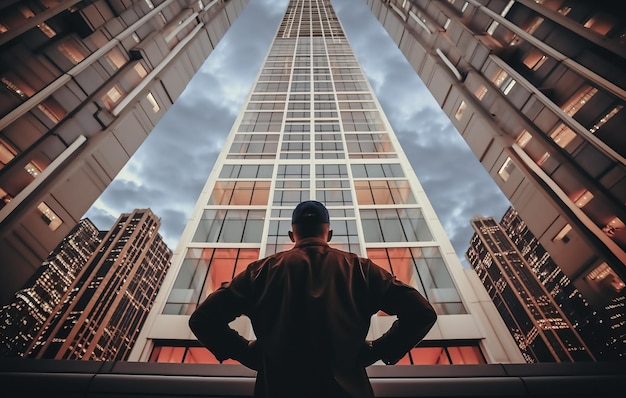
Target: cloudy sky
169, 170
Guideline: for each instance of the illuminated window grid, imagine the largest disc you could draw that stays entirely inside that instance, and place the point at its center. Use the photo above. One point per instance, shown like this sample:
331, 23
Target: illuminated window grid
318, 134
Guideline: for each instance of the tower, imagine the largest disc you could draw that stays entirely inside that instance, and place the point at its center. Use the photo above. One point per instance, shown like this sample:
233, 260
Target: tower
536, 89
99, 316
82, 84
312, 128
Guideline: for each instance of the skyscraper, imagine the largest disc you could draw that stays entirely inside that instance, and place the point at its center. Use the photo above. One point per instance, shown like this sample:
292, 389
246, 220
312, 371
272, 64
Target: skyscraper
602, 327
33, 305
82, 84
313, 129
537, 90
540, 328
100, 315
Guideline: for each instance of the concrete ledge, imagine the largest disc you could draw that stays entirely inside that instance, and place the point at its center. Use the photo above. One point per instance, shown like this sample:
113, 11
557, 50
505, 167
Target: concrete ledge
69, 379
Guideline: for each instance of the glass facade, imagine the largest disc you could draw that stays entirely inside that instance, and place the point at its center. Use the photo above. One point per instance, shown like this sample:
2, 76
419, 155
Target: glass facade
312, 129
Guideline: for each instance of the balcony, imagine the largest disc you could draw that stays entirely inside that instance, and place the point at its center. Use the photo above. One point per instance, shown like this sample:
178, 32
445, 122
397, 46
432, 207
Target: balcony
49, 378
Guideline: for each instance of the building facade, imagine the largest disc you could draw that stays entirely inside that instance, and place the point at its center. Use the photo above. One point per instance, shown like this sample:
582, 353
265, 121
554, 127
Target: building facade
33, 305
540, 327
312, 128
82, 83
100, 315
602, 328
537, 90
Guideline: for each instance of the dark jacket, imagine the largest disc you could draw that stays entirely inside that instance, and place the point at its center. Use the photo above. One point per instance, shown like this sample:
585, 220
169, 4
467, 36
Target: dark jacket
310, 309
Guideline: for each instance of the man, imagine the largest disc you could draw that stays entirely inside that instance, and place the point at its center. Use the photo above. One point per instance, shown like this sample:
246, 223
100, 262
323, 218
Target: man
310, 309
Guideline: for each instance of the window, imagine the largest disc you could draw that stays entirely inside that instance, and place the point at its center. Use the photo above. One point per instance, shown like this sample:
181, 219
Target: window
50, 218
524, 138
141, 71
47, 30
507, 169
424, 269
563, 236
72, 50
605, 118
153, 102
32, 169
480, 93
115, 59
461, 109
534, 60
581, 200
383, 192
503, 81
536, 22
446, 24
240, 193
578, 100
112, 96
613, 226
604, 276
7, 153
230, 226
395, 225
563, 135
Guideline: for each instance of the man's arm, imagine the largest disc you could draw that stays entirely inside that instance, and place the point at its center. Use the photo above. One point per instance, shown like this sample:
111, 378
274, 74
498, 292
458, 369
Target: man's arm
415, 314
209, 323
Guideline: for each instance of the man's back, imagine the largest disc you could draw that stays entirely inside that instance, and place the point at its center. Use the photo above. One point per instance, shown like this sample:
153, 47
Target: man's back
310, 309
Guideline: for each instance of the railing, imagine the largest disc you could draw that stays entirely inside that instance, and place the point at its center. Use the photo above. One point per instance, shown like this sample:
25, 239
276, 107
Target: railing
50, 378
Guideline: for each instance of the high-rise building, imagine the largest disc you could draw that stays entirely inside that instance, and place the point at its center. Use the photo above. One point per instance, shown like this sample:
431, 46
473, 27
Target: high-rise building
540, 327
82, 84
312, 128
602, 328
537, 90
101, 314
33, 305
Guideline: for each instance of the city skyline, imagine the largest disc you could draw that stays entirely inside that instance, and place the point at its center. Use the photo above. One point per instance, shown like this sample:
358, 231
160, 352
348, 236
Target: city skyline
457, 184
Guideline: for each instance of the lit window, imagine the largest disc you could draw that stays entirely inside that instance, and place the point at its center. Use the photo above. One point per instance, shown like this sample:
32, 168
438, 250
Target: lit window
26, 12
149, 3
445, 25
464, 6
7, 153
3, 28
49, 216
564, 10
507, 169
579, 100
563, 135
535, 60
499, 78
583, 199
141, 71
162, 17
562, 236
4, 197
524, 138
47, 30
135, 37
600, 23
153, 102
606, 118
613, 226
14, 87
543, 159
32, 169
492, 27
605, 275
459, 112
115, 59
480, 93
534, 25
71, 50
112, 96
508, 86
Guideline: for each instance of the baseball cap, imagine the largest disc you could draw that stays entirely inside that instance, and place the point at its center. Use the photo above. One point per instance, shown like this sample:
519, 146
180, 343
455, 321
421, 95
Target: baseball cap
310, 211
